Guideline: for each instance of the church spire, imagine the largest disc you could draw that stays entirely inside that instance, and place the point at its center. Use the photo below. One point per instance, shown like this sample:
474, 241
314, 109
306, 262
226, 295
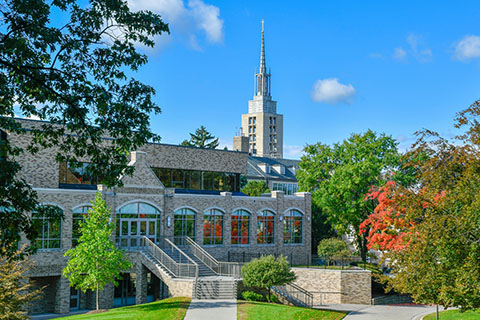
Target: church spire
263, 67
262, 78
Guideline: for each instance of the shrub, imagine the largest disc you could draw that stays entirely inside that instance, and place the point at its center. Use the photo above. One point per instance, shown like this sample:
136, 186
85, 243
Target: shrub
266, 272
332, 247
252, 296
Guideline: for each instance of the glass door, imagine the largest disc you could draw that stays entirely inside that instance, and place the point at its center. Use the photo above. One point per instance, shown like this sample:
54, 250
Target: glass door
74, 298
132, 230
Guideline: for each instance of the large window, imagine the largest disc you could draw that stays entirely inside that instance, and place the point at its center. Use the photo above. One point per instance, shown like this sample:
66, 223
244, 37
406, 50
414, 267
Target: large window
266, 227
240, 224
49, 231
287, 188
135, 221
71, 176
213, 227
79, 215
198, 180
292, 227
184, 224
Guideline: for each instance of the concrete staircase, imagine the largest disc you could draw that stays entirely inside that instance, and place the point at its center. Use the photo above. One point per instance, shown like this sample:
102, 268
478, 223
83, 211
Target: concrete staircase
216, 288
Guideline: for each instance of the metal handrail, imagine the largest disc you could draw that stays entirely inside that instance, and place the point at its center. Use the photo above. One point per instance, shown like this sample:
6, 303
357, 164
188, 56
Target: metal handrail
180, 251
295, 294
232, 269
186, 270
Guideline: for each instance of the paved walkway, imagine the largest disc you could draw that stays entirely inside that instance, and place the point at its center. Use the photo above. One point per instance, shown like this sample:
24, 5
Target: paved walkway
212, 310
382, 312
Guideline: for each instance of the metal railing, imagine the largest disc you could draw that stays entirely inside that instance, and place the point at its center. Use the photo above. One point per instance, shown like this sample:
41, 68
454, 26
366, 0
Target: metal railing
231, 269
186, 269
295, 294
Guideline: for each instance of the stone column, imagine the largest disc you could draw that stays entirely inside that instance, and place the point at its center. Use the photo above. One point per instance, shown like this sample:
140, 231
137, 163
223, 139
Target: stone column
141, 284
105, 297
62, 296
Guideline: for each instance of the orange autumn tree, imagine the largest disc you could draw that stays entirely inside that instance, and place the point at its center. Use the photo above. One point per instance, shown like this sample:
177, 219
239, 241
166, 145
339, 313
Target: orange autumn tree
430, 231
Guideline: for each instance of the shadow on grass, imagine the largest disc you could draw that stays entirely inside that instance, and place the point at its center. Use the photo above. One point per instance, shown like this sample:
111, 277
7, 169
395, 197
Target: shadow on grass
153, 306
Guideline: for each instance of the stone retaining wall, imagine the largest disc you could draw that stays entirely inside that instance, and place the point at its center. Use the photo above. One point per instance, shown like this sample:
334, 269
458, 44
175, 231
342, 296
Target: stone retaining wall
336, 286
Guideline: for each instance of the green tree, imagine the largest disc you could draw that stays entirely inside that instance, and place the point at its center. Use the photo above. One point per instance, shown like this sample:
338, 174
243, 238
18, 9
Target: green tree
16, 292
266, 272
201, 139
332, 247
255, 188
432, 230
340, 176
73, 71
95, 261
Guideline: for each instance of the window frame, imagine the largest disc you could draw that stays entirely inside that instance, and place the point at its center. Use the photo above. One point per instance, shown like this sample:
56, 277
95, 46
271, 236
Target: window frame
212, 217
240, 216
262, 217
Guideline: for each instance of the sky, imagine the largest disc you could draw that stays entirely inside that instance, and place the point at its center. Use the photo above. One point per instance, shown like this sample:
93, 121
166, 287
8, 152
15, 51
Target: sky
338, 67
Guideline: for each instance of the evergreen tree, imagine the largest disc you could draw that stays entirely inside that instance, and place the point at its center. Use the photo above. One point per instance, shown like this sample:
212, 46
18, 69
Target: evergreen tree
201, 139
255, 188
95, 261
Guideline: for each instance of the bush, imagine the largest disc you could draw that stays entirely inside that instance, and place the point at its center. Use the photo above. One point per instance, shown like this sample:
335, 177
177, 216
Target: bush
252, 296
266, 272
332, 247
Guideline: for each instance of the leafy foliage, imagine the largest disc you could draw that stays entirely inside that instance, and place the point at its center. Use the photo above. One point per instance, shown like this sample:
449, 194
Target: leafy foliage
332, 247
340, 176
255, 188
252, 296
201, 139
266, 272
75, 75
95, 261
16, 293
431, 231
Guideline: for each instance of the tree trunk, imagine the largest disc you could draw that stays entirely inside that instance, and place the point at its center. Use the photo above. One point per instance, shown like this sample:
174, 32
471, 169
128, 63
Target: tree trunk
97, 295
362, 246
268, 294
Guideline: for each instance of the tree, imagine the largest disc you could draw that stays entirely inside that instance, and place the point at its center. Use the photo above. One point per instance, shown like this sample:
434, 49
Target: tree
255, 188
201, 139
95, 261
72, 70
431, 231
332, 247
16, 293
266, 272
340, 176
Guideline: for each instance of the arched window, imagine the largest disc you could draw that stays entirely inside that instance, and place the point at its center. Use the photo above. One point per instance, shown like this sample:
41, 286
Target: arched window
240, 225
183, 224
49, 228
266, 227
136, 220
292, 227
213, 227
79, 215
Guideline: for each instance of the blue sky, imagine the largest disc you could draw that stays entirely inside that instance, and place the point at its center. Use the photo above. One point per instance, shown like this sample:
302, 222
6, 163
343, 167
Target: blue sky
391, 66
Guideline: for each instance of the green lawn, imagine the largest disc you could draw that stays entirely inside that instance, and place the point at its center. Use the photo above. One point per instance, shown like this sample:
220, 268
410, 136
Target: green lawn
247, 310
454, 315
167, 309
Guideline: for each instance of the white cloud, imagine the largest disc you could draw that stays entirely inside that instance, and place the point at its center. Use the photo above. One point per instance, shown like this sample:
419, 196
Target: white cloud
332, 91
186, 22
399, 54
468, 48
416, 48
375, 55
294, 152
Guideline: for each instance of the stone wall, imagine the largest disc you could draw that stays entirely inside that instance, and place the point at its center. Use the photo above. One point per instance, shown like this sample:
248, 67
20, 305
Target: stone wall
335, 286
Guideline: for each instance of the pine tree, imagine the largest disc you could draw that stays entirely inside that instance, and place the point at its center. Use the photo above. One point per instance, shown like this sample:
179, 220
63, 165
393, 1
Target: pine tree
95, 261
15, 290
201, 139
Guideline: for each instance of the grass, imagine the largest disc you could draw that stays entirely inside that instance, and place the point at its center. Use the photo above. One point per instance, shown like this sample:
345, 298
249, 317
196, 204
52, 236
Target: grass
455, 314
167, 309
247, 310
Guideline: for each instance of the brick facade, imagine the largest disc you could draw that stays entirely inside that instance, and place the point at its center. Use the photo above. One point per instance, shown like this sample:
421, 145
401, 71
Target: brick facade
42, 171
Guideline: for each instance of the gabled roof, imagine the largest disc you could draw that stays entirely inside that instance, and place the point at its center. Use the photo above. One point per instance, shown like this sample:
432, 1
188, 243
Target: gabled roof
254, 170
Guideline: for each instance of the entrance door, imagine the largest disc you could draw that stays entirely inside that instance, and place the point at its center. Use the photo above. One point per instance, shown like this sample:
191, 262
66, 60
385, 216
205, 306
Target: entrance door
132, 230
74, 298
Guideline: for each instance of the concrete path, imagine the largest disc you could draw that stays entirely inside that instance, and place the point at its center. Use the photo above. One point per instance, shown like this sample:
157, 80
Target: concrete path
212, 310
382, 312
